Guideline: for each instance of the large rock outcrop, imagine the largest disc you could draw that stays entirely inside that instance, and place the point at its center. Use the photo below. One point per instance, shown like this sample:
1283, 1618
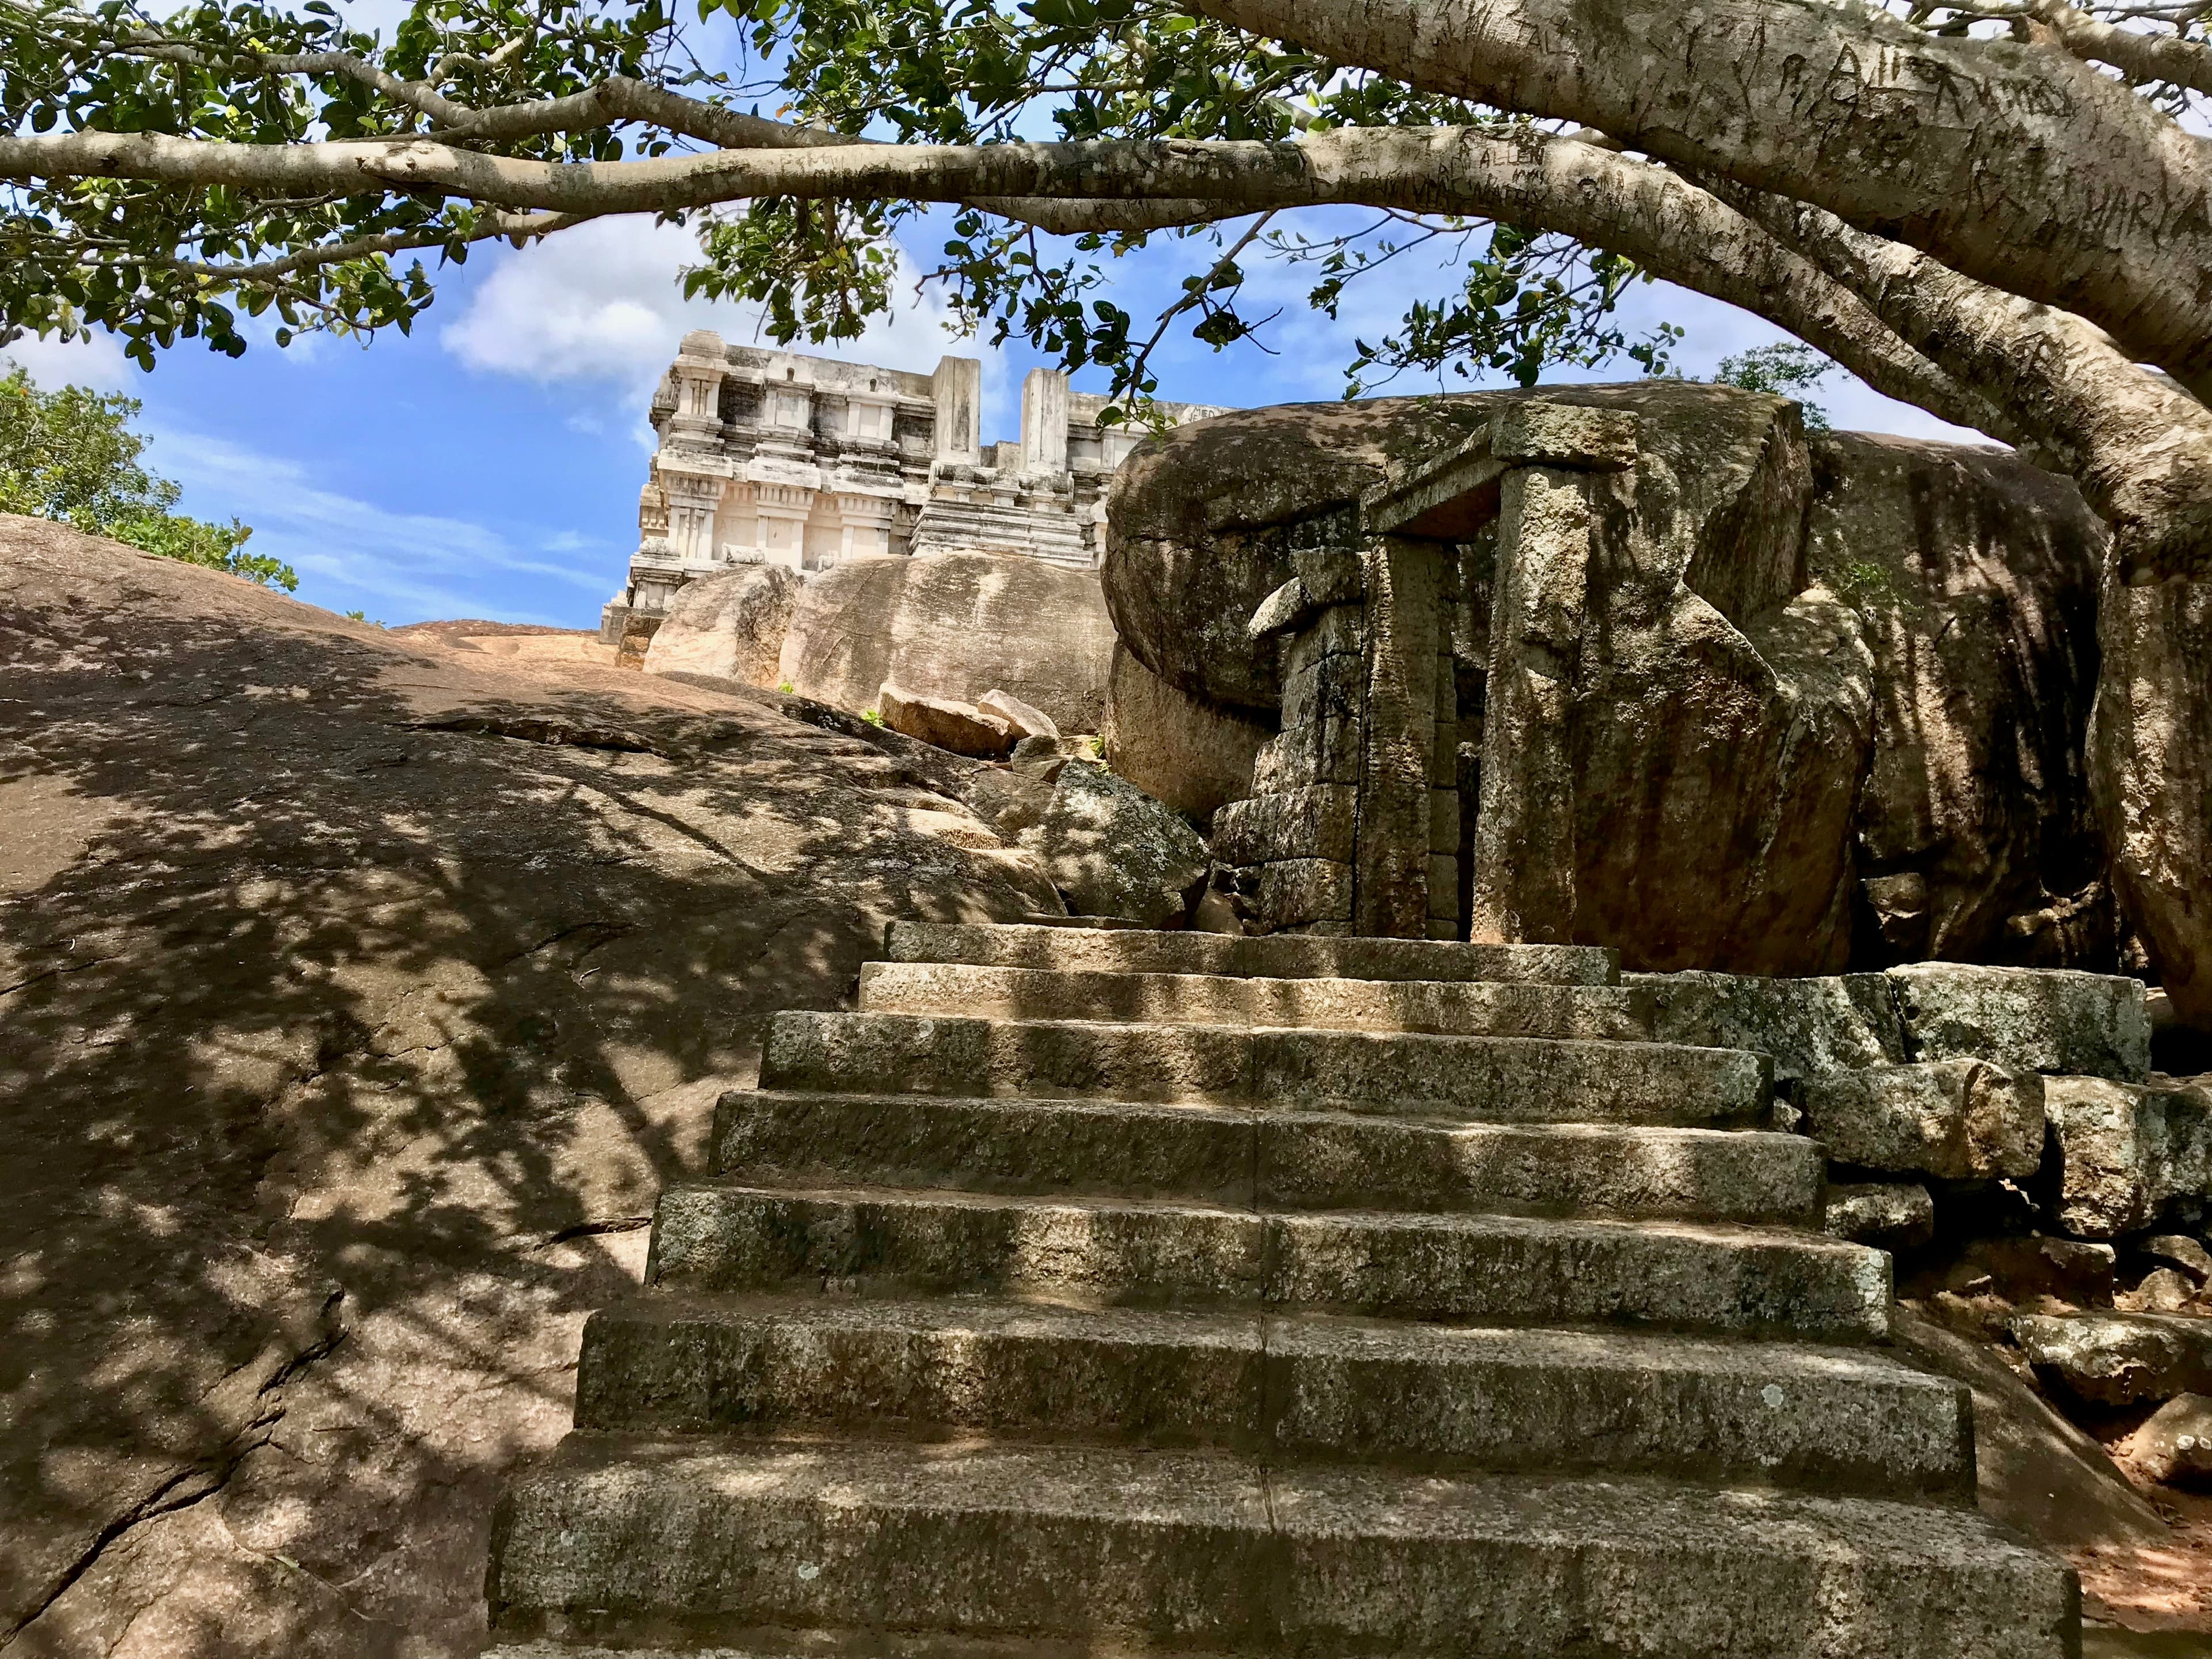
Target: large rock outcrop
1818, 702
955, 626
1701, 698
1714, 698
2150, 763
1197, 526
1974, 576
359, 993
1195, 755
728, 626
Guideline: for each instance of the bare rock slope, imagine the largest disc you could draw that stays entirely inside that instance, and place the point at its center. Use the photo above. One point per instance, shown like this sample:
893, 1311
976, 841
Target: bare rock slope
359, 993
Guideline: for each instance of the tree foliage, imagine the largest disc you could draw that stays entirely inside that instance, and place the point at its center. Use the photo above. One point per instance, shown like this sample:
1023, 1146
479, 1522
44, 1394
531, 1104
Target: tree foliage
1789, 368
70, 455
1989, 208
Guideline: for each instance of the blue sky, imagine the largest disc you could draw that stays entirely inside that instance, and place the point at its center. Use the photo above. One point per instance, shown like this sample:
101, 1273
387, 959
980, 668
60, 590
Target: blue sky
489, 464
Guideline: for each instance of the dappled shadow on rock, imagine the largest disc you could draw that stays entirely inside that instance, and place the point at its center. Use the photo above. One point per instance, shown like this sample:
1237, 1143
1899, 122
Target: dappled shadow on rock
359, 993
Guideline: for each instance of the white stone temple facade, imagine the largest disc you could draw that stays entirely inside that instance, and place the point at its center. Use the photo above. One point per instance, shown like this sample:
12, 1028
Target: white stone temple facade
777, 457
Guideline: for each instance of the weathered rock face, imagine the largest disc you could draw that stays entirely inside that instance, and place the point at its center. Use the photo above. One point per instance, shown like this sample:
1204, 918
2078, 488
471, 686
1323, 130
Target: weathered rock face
2150, 762
729, 625
1960, 1120
954, 625
2129, 1156
1974, 575
1713, 701
2076, 1024
360, 993
1113, 850
1194, 756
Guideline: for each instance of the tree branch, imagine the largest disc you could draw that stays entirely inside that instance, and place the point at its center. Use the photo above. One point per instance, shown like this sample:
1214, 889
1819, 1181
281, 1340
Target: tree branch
2138, 444
1645, 213
2145, 56
2015, 165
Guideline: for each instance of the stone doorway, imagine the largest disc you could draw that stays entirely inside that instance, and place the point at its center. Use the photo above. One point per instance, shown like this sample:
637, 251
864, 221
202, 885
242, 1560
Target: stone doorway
1404, 796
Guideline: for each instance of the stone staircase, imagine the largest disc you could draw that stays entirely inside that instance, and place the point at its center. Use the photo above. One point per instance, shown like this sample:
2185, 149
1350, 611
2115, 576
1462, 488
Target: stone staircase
1093, 1292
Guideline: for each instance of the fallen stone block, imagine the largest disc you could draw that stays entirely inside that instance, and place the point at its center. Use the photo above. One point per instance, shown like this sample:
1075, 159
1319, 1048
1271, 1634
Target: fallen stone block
1027, 721
1890, 1216
960, 727
2183, 1252
1315, 823
1960, 1120
1812, 1027
1297, 891
2128, 1156
2038, 1020
2119, 1359
2175, 1445
1286, 608
2162, 1290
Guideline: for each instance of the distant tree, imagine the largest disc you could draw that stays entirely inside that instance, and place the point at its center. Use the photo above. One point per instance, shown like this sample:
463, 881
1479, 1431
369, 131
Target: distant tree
70, 455
1787, 368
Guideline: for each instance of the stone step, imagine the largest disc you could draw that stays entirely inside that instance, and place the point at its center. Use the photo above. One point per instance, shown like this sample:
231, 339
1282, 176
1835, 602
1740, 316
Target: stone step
716, 1236
1440, 1398
1457, 1008
1288, 1160
1496, 1079
1148, 1550
1278, 956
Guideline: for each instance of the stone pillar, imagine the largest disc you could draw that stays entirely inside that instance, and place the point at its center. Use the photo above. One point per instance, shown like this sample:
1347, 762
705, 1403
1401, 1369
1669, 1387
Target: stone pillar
1443, 801
1390, 865
692, 499
1294, 840
868, 523
1565, 463
958, 387
1044, 421
701, 361
1353, 826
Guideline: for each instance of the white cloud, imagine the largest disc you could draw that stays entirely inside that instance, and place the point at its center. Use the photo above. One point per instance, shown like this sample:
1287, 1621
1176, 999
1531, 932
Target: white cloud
350, 551
601, 302
94, 359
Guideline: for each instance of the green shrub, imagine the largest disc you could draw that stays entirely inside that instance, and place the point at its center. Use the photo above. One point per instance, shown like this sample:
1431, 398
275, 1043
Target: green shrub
70, 456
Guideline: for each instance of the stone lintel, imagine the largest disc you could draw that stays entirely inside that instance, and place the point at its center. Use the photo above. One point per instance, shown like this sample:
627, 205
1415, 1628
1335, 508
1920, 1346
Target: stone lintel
1542, 433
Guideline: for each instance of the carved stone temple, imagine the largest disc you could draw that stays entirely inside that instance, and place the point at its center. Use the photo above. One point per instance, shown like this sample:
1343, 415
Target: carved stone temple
778, 457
